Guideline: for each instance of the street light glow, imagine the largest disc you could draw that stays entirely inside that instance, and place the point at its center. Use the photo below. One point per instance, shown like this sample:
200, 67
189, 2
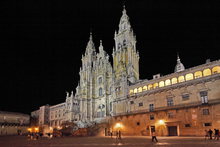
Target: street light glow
161, 122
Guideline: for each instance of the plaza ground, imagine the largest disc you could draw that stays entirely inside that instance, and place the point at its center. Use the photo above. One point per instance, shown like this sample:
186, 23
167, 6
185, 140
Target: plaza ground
127, 141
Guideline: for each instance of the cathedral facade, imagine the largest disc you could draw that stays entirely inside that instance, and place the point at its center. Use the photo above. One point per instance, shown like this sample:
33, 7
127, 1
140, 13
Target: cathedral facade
170, 103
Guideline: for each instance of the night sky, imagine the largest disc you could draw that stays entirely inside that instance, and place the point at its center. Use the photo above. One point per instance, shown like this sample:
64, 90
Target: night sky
43, 41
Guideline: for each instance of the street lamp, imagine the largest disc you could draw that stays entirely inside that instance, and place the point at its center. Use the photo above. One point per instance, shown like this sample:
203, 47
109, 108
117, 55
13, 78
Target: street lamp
161, 122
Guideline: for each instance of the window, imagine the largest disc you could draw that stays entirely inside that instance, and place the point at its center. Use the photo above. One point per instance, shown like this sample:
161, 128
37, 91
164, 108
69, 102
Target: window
169, 101
138, 123
207, 72
131, 102
189, 77
185, 97
110, 106
100, 91
161, 84
151, 117
151, 107
207, 124
124, 42
205, 111
140, 104
198, 74
170, 115
204, 97
187, 125
174, 80
144, 88
100, 80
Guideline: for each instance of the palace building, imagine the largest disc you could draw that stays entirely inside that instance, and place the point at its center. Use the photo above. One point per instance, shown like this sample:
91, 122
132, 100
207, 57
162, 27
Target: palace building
185, 102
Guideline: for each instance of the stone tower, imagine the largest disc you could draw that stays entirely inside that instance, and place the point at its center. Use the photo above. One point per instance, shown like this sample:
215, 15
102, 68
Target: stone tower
94, 89
125, 62
125, 55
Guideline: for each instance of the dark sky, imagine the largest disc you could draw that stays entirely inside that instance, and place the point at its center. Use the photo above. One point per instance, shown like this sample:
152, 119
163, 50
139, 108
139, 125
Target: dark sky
42, 42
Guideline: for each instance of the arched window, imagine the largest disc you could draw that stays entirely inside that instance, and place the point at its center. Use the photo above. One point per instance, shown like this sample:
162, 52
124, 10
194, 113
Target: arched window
100, 80
131, 91
119, 45
100, 91
161, 84
207, 72
174, 80
155, 85
144, 88
216, 69
135, 90
150, 87
181, 79
140, 89
198, 74
167, 82
189, 77
124, 42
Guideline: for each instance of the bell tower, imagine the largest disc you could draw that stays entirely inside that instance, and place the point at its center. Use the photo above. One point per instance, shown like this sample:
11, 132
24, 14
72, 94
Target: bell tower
125, 55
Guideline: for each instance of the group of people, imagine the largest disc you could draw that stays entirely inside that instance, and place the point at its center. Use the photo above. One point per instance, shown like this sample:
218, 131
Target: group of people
209, 134
34, 136
118, 134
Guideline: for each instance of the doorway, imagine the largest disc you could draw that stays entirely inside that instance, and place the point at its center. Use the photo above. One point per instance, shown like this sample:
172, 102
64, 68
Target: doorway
172, 131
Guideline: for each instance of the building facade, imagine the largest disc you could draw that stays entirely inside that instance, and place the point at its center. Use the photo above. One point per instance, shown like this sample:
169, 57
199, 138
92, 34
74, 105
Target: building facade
176, 104
12, 123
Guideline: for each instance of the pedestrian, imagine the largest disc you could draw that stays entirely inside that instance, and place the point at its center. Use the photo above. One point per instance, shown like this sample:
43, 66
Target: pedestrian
216, 134
210, 133
119, 134
154, 137
206, 134
111, 134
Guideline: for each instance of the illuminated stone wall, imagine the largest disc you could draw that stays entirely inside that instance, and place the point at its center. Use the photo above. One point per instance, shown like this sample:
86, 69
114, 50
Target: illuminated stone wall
189, 106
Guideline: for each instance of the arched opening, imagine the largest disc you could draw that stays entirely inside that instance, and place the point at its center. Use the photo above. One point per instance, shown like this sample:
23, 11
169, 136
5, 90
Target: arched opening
189, 77
140, 89
155, 85
144, 88
207, 72
167, 82
131, 91
216, 70
161, 84
135, 90
198, 74
174, 80
181, 79
150, 87
100, 91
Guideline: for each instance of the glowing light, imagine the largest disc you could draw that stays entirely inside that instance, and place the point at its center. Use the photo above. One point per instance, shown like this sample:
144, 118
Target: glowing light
161, 122
118, 125
36, 129
29, 129
51, 128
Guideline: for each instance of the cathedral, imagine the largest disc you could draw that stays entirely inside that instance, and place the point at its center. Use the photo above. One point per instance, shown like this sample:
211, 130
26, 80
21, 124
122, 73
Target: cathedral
175, 104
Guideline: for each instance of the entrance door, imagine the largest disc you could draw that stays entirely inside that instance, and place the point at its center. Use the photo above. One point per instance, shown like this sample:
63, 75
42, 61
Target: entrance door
172, 130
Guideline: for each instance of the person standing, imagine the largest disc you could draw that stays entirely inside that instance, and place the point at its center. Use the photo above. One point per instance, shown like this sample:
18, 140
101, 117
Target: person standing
210, 133
119, 134
216, 134
154, 137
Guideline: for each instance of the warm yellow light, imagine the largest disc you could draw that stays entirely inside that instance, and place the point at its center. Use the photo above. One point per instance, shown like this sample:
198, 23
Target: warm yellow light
51, 128
36, 129
29, 129
161, 122
118, 125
